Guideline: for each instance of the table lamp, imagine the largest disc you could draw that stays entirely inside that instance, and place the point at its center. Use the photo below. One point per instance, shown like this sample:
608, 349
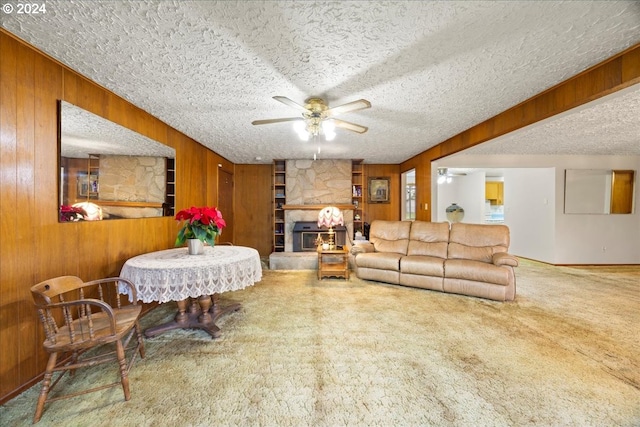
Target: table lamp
93, 211
330, 217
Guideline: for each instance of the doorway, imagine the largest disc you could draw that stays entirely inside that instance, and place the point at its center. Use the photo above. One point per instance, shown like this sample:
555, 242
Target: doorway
409, 195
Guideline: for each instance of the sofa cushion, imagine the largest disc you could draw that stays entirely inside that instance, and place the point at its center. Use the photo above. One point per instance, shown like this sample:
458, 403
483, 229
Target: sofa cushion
390, 236
422, 264
379, 260
387, 276
477, 241
477, 271
429, 238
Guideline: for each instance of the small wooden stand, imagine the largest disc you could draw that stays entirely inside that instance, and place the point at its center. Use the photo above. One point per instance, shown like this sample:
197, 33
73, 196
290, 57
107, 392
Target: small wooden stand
333, 262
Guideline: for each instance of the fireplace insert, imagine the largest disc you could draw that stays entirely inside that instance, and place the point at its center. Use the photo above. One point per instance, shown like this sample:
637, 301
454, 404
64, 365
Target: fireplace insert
305, 234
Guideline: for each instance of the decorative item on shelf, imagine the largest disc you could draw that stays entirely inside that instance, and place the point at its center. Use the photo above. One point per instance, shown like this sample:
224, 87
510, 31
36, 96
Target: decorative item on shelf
455, 213
330, 217
200, 224
355, 204
356, 217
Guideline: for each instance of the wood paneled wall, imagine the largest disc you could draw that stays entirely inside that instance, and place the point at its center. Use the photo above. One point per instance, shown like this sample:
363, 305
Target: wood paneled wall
618, 72
35, 246
384, 211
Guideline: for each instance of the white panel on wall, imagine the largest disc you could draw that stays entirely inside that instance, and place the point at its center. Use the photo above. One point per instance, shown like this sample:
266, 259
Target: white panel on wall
587, 191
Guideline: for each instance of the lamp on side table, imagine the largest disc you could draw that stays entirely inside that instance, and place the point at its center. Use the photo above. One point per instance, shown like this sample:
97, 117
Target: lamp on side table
330, 217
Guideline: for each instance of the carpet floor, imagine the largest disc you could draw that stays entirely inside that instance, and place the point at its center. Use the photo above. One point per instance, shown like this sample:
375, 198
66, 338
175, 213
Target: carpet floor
304, 352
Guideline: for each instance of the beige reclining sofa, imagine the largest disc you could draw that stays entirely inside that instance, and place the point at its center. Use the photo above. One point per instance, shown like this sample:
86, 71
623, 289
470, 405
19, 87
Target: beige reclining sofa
468, 259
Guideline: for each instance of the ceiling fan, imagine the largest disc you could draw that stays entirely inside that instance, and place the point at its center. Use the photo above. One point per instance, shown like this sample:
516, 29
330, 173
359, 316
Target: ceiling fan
318, 118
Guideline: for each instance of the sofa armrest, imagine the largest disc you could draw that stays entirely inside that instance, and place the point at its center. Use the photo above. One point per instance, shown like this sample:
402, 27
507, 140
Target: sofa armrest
503, 258
361, 248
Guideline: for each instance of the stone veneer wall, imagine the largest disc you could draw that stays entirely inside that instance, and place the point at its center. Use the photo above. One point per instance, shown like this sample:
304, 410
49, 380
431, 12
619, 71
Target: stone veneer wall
316, 182
133, 179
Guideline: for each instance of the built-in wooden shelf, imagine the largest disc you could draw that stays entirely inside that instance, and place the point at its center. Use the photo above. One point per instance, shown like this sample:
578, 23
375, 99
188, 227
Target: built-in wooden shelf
316, 207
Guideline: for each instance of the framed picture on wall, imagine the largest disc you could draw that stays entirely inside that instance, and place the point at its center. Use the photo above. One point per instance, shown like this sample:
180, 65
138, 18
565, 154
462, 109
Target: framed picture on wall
87, 185
379, 189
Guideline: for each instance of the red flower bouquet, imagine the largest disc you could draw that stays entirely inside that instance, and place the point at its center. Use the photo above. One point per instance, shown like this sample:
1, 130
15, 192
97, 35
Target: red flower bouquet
203, 224
71, 213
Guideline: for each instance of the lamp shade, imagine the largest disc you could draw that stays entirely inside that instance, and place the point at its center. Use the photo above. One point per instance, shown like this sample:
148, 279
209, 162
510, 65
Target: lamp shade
330, 217
94, 212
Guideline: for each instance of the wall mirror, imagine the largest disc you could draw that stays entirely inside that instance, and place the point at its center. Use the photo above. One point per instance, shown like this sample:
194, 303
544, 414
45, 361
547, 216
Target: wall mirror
599, 191
108, 171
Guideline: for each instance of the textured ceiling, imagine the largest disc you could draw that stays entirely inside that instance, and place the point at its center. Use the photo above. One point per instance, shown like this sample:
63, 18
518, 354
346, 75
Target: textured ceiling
609, 125
429, 69
83, 133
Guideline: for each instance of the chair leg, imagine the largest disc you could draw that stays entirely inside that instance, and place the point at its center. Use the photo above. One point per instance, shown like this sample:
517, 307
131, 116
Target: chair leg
46, 382
74, 360
140, 340
123, 369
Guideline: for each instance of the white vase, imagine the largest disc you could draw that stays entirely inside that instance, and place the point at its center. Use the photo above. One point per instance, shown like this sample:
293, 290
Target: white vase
455, 213
196, 247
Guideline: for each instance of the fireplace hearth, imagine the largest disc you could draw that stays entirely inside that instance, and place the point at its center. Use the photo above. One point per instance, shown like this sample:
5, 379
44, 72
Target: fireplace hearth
305, 234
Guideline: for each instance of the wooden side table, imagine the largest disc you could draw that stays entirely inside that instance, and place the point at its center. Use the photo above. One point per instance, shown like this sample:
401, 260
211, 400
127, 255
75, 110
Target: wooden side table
333, 262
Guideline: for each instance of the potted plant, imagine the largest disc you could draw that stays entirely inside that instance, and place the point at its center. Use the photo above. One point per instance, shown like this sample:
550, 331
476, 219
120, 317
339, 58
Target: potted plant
200, 224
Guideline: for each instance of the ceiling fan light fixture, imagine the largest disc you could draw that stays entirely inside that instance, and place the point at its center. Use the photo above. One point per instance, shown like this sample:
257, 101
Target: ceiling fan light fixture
328, 128
301, 130
317, 117
304, 136
442, 176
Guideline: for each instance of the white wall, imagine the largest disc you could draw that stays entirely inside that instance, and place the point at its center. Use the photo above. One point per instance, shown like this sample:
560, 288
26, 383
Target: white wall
577, 238
530, 210
467, 192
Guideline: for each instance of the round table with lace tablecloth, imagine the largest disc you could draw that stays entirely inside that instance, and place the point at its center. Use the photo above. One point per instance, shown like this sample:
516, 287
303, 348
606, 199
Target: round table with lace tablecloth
193, 281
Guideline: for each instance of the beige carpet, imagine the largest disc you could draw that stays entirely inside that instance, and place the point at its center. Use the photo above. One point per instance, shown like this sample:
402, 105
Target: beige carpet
303, 352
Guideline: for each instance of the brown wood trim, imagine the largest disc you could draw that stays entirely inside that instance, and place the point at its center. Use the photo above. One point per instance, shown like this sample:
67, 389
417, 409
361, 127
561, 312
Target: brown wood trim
614, 74
316, 207
127, 204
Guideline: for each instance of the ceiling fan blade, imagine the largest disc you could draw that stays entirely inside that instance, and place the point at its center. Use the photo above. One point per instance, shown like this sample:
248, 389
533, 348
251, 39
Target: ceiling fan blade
290, 103
360, 104
269, 121
350, 126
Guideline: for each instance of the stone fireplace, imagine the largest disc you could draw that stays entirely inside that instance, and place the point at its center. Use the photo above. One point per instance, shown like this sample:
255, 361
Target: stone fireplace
312, 185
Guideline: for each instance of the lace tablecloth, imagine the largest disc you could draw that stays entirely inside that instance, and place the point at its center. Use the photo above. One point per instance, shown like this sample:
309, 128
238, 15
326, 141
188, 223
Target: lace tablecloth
174, 275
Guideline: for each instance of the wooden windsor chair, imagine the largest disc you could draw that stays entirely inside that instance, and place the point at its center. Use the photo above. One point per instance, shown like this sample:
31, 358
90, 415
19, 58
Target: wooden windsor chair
79, 316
